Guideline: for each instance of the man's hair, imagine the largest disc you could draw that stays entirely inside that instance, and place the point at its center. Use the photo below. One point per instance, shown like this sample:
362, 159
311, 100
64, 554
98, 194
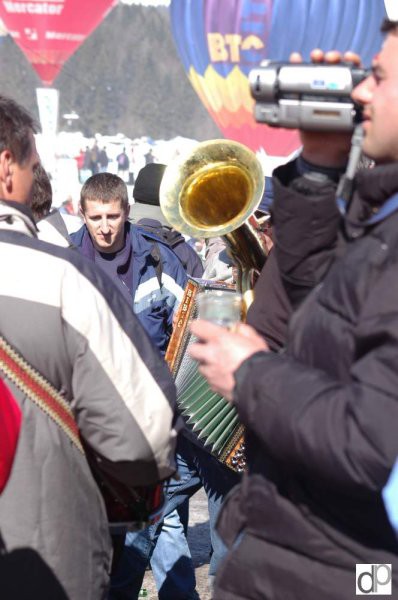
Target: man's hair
389, 26
104, 187
15, 126
42, 193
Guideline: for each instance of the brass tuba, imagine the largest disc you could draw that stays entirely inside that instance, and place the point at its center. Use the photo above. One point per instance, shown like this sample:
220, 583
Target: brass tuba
213, 191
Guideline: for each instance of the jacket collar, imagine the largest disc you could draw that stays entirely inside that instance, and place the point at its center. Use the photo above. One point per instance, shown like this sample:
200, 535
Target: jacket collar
373, 188
378, 184
17, 217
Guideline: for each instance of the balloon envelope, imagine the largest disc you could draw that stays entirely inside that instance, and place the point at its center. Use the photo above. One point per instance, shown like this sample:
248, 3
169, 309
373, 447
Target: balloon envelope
220, 41
48, 32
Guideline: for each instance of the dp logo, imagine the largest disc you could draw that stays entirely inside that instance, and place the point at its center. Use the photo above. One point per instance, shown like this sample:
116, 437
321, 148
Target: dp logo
373, 580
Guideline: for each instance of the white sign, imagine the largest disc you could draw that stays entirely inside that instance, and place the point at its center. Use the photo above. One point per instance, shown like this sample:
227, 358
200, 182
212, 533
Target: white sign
48, 103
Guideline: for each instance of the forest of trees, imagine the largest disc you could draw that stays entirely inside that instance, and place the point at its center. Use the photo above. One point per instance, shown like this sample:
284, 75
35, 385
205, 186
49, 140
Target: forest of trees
125, 78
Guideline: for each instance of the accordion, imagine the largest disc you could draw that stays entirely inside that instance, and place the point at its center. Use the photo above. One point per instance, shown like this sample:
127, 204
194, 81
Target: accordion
213, 419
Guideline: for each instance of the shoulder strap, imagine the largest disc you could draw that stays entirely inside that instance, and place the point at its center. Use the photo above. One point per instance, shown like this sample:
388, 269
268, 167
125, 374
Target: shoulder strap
39, 391
123, 504
155, 253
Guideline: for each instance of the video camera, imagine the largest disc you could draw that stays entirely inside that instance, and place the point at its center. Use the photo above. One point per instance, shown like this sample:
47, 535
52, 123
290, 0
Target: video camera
306, 96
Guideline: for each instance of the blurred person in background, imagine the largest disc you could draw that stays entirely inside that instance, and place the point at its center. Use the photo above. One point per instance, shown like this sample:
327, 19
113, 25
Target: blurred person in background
103, 160
217, 264
53, 225
42, 193
123, 166
149, 157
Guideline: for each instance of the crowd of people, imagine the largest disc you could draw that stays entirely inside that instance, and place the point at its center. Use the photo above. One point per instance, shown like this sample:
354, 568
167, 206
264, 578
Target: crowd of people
126, 163
89, 416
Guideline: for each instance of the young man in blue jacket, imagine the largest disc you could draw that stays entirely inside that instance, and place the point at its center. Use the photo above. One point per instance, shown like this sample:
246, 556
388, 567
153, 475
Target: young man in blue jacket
145, 270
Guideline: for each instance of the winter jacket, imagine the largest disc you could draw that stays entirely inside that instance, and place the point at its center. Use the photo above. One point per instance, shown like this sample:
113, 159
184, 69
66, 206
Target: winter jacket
153, 301
270, 318
323, 416
189, 258
62, 315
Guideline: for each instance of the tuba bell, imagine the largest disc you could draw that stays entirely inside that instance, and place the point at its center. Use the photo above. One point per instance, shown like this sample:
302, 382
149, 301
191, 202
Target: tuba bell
214, 191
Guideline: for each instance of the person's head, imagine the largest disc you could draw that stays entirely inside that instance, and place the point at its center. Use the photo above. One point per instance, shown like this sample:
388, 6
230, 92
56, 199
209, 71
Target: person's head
104, 207
18, 154
146, 194
42, 194
378, 94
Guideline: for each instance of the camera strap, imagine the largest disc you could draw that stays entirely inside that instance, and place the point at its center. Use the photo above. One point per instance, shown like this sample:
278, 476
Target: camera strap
346, 184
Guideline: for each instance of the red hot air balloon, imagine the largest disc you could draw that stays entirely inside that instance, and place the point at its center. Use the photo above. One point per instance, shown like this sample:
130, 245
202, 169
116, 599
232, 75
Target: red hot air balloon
49, 31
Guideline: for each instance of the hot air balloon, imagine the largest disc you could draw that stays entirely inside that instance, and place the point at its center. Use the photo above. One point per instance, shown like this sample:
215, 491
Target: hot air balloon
220, 41
49, 31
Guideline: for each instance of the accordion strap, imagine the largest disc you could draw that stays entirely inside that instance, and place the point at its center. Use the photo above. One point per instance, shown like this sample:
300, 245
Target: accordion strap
39, 390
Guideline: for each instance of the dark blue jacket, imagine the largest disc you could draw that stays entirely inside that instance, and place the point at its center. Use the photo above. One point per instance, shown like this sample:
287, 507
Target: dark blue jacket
153, 301
190, 259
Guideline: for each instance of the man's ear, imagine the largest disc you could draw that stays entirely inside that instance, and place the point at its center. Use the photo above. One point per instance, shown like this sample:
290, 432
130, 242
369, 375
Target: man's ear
81, 211
6, 170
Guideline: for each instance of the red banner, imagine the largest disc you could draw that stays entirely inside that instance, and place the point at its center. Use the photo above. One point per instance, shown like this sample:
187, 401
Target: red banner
48, 32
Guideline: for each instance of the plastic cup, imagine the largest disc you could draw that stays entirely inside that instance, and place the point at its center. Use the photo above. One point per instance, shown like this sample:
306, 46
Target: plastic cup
220, 307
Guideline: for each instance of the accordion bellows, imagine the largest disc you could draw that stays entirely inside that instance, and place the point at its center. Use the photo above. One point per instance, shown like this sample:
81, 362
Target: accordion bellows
208, 414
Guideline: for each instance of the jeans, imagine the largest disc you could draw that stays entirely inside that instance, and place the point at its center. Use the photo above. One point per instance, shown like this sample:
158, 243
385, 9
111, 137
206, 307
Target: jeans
165, 544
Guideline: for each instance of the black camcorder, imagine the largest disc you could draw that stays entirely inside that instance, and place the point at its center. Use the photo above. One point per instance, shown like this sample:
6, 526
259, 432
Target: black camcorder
306, 96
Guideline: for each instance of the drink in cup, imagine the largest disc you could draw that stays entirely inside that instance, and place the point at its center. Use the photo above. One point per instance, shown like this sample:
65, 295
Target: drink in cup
220, 307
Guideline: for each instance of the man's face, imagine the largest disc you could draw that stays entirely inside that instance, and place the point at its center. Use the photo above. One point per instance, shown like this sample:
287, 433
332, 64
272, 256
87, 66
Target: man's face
379, 96
105, 224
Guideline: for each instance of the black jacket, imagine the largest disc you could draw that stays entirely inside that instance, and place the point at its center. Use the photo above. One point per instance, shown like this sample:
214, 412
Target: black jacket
270, 318
323, 416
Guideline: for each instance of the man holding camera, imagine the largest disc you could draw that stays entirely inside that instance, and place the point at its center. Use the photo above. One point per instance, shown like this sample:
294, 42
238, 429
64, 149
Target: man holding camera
321, 418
